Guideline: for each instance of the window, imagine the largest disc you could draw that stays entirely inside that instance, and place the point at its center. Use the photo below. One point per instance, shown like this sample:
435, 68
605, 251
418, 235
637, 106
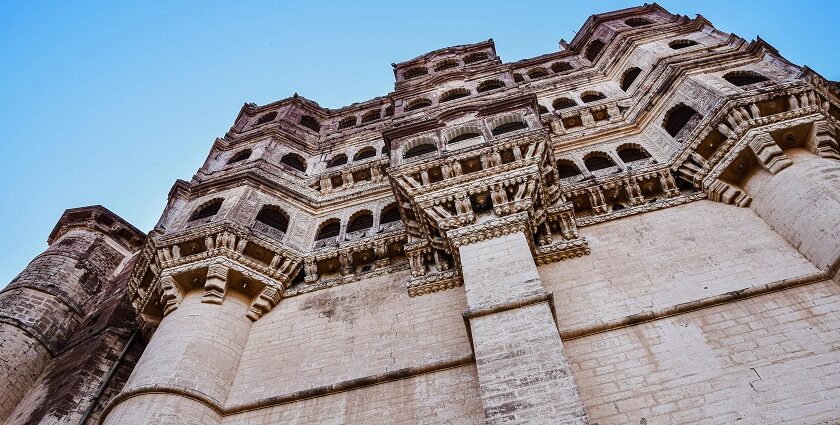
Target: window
598, 161
490, 85
365, 153
475, 57
337, 160
629, 77
518, 77
744, 78
637, 22
360, 222
295, 161
347, 123
464, 136
567, 169
594, 49
329, 229
274, 217
543, 110
677, 118
418, 104
563, 103
415, 72
371, 116
267, 118
389, 214
311, 123
389, 111
592, 96
208, 210
681, 44
453, 94
446, 64
509, 127
537, 73
420, 150
630, 154
559, 67
240, 156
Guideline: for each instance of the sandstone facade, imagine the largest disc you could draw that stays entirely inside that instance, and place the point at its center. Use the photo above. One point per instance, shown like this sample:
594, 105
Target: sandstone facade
643, 227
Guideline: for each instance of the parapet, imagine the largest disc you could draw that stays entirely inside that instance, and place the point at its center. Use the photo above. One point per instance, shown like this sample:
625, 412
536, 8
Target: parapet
100, 219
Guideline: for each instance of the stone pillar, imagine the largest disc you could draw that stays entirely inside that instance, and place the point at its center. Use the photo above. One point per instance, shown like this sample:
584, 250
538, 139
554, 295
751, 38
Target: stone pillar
523, 372
797, 202
189, 364
44, 304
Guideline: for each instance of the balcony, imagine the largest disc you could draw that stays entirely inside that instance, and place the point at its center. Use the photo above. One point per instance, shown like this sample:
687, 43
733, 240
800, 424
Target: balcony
270, 231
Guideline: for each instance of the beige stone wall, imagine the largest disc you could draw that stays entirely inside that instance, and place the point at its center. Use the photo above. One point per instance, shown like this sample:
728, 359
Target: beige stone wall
356, 330
764, 360
22, 359
445, 397
162, 409
660, 259
800, 203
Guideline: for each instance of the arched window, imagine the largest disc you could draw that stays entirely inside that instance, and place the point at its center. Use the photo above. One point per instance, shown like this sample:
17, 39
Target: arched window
415, 72
446, 64
371, 116
267, 118
475, 57
240, 156
681, 44
632, 153
420, 150
537, 73
389, 111
453, 94
563, 103
362, 221
418, 104
629, 77
389, 214
295, 161
637, 22
559, 67
310, 122
518, 77
337, 160
567, 169
598, 161
207, 210
744, 78
543, 110
508, 127
677, 119
274, 217
490, 85
594, 49
346, 123
463, 133
364, 153
592, 96
329, 229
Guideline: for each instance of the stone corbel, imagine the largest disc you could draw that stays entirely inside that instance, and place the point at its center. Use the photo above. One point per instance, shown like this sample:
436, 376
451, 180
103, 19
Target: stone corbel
346, 264
721, 191
310, 270
380, 250
634, 192
171, 294
215, 285
669, 185
769, 154
596, 198
263, 302
823, 141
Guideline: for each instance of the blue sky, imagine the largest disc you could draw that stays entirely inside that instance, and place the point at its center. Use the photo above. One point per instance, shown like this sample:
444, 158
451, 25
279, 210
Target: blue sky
110, 102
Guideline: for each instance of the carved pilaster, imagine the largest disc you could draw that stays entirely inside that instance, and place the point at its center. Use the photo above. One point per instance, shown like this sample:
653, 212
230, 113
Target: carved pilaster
215, 285
769, 154
171, 294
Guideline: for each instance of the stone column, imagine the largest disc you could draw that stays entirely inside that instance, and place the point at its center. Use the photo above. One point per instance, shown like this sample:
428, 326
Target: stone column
800, 203
523, 372
44, 304
190, 362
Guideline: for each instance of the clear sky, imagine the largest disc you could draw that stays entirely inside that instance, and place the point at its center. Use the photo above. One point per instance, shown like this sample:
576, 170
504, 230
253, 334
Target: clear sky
109, 102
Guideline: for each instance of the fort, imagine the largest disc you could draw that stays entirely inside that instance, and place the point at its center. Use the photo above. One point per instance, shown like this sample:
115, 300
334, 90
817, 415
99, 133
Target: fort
640, 228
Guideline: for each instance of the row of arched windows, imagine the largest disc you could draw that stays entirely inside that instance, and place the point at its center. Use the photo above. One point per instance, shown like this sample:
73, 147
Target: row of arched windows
595, 161
270, 215
500, 126
362, 154
360, 221
298, 162
455, 93
419, 71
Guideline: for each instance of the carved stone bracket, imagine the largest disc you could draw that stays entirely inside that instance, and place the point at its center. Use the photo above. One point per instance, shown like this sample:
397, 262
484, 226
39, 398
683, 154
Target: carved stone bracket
215, 284
769, 154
